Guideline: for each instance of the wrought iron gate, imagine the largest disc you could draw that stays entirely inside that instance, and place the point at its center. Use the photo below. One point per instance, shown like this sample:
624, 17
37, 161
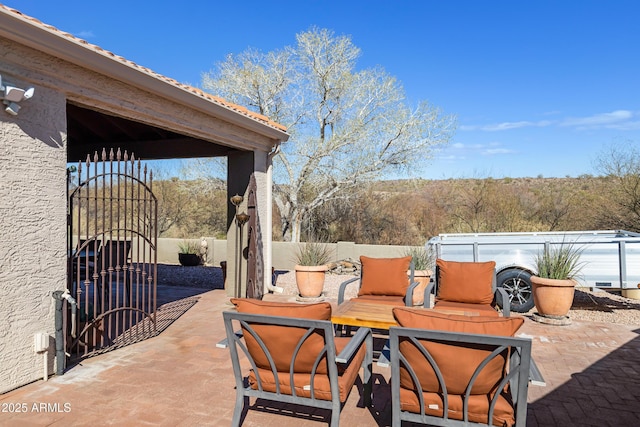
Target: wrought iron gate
112, 259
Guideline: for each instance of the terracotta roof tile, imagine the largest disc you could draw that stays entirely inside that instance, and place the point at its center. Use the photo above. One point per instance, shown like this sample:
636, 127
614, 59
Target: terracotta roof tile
196, 91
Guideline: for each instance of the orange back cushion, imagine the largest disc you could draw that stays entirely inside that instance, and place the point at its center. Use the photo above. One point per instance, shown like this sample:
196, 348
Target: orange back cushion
281, 341
469, 282
384, 276
456, 362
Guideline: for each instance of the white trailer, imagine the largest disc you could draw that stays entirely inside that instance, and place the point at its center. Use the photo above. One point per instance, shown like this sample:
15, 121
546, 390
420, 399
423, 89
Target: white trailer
611, 258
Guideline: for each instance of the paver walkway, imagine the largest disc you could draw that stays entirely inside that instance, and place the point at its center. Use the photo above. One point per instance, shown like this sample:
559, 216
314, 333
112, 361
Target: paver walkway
180, 378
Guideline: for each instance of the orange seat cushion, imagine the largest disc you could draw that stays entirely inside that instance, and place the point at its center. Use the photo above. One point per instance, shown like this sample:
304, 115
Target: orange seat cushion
322, 388
384, 276
469, 282
394, 300
456, 362
478, 409
317, 311
466, 309
281, 341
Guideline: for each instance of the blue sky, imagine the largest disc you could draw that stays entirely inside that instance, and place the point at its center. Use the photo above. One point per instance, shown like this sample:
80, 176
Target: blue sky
539, 87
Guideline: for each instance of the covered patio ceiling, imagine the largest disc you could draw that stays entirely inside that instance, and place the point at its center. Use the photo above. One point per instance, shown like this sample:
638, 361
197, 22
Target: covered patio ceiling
89, 131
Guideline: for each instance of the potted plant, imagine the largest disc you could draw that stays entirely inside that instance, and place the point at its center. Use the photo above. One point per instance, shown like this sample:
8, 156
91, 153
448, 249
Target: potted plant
311, 266
554, 285
423, 261
189, 253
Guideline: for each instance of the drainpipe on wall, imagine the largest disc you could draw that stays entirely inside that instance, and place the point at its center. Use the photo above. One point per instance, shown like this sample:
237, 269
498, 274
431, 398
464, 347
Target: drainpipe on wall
271, 287
61, 356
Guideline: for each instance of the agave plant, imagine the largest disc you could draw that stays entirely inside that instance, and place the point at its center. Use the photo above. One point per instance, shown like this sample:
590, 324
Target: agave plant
559, 262
423, 259
312, 253
189, 247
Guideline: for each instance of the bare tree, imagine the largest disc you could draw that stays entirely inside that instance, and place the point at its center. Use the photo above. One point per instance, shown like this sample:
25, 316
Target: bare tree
549, 205
172, 204
468, 205
620, 163
347, 126
189, 204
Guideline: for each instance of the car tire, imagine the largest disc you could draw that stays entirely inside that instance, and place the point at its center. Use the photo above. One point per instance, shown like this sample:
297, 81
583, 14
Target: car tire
517, 284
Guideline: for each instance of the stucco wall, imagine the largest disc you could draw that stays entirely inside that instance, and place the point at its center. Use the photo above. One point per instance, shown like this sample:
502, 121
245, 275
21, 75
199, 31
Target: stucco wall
33, 154
168, 250
33, 186
283, 252
32, 220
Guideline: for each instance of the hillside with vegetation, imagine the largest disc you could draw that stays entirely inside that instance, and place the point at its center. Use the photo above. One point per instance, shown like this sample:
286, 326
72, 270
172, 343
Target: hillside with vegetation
408, 212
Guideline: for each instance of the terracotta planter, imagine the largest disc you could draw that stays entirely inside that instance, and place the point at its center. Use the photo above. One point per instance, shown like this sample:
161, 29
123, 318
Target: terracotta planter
553, 297
422, 277
310, 280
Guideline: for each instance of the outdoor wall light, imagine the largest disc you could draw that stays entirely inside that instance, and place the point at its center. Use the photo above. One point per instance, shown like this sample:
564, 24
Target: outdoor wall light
236, 200
242, 218
12, 96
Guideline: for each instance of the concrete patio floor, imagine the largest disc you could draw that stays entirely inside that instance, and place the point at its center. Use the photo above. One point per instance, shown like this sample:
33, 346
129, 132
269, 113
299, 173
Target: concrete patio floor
180, 378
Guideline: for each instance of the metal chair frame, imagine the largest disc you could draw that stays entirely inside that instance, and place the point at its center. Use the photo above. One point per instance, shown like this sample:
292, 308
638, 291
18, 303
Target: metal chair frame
519, 360
235, 342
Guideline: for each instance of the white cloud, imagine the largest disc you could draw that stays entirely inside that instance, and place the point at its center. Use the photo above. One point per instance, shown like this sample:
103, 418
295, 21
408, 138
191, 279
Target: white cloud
598, 120
473, 150
85, 34
508, 125
618, 120
629, 125
493, 151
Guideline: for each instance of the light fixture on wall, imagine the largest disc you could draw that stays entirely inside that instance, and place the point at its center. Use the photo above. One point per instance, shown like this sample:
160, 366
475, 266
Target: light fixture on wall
241, 219
12, 96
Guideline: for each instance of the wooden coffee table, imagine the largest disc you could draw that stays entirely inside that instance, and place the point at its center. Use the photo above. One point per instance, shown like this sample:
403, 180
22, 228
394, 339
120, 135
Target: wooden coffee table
369, 315
380, 316
365, 314
376, 315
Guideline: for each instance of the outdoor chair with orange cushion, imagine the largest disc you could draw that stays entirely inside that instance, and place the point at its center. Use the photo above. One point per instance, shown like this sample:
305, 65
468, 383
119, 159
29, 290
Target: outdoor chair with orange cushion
467, 287
458, 370
294, 357
383, 280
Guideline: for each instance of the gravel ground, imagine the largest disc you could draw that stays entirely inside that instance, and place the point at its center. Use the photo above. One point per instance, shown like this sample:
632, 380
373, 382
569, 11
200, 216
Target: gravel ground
192, 277
599, 306
602, 306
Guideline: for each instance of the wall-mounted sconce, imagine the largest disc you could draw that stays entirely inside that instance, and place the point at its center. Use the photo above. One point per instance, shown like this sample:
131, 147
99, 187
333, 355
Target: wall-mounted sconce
12, 96
241, 219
